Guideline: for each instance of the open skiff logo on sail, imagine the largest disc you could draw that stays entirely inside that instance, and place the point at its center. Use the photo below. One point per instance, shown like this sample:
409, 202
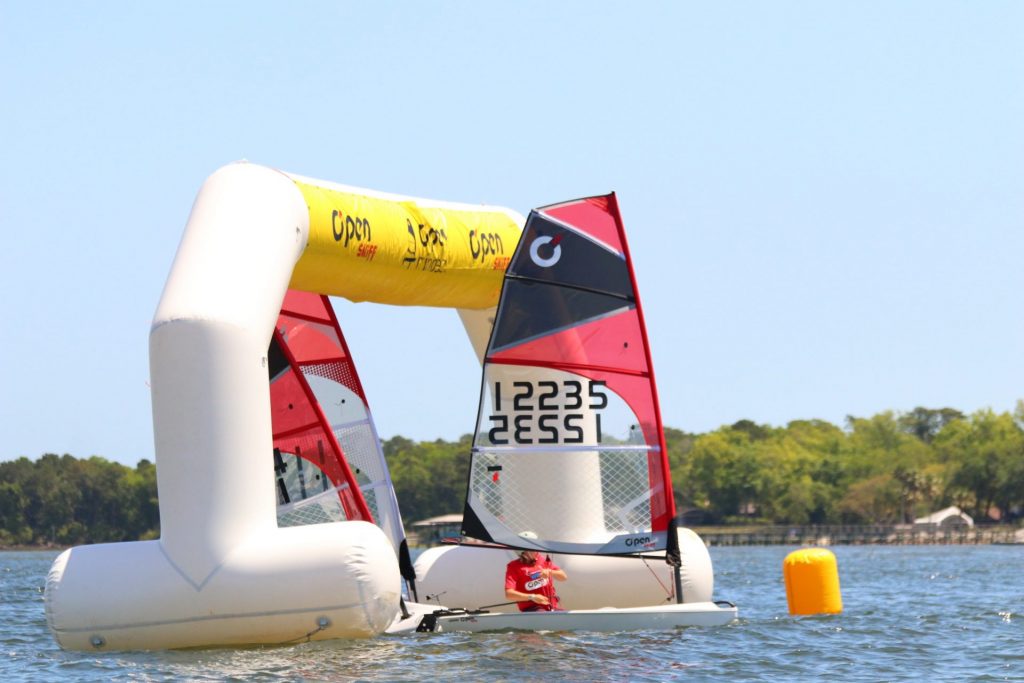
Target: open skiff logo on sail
640, 541
555, 251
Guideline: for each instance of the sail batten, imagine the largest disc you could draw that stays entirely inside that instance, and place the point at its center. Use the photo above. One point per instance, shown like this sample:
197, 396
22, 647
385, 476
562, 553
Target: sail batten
569, 443
353, 423
544, 332
580, 288
576, 367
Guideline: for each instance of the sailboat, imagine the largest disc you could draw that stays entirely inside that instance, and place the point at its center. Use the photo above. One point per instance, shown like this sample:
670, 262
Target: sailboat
328, 461
569, 452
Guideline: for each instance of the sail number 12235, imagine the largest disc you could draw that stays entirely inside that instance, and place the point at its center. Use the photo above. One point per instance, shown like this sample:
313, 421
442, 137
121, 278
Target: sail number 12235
539, 412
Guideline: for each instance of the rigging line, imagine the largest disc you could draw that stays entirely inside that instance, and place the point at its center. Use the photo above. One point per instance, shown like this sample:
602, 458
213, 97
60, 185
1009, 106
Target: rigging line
549, 588
669, 591
434, 596
499, 604
322, 624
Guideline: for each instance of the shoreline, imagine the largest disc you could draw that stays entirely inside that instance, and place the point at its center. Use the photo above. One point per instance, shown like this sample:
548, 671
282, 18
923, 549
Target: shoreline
752, 535
871, 534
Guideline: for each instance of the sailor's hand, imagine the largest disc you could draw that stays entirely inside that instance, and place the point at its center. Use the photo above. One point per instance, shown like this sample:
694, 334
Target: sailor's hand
539, 599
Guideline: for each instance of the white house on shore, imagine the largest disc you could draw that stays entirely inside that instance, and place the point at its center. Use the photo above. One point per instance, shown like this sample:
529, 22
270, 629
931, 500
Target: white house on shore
949, 518
430, 531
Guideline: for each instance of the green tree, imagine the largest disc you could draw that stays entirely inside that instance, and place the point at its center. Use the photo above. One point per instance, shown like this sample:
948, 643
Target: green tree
63, 500
429, 477
875, 500
985, 454
925, 423
724, 473
14, 529
884, 468
143, 493
680, 446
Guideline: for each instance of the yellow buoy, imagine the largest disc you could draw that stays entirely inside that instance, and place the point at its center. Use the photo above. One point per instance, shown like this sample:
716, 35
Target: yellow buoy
812, 582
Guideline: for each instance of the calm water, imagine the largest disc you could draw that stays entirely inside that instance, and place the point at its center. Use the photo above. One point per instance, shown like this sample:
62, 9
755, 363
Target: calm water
911, 613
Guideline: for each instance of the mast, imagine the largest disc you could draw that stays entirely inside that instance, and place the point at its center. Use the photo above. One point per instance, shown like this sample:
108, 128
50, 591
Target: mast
672, 552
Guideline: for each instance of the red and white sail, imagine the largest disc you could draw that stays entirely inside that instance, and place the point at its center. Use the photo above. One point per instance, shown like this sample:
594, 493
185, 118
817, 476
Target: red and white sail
327, 456
569, 444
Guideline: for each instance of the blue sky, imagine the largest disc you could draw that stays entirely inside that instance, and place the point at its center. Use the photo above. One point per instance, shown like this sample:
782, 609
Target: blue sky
824, 201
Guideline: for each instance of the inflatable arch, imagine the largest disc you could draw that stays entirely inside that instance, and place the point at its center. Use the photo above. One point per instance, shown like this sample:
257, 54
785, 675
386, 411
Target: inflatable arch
222, 572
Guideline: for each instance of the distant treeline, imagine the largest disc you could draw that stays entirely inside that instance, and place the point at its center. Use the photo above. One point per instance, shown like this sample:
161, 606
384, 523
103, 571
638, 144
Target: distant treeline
879, 470
61, 500
885, 469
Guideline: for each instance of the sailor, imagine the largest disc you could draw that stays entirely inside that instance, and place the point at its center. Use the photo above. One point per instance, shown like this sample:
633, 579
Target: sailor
528, 580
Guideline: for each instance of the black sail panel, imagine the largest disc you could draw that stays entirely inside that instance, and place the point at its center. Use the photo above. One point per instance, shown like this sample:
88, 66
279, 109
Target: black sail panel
550, 251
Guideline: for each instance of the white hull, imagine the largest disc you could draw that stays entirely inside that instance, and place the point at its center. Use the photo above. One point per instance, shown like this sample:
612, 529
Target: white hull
606, 619
470, 576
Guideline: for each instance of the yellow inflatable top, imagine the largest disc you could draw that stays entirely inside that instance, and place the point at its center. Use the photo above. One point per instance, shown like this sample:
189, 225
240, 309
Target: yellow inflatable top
367, 246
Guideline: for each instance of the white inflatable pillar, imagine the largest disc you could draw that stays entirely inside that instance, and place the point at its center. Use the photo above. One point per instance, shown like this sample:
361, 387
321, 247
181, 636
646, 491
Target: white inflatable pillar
222, 572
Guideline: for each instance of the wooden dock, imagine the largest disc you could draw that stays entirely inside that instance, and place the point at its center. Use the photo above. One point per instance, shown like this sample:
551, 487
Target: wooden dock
880, 534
